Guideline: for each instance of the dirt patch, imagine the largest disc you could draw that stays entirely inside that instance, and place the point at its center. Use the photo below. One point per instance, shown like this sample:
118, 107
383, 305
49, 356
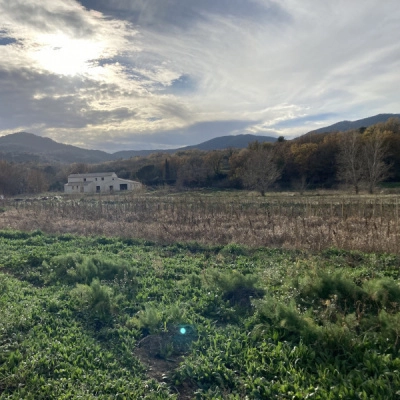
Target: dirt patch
160, 369
161, 354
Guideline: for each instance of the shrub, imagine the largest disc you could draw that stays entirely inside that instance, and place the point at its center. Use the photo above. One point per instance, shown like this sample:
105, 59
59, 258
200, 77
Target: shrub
96, 298
10, 234
149, 320
390, 327
273, 314
63, 267
76, 268
3, 284
236, 288
235, 249
321, 288
384, 292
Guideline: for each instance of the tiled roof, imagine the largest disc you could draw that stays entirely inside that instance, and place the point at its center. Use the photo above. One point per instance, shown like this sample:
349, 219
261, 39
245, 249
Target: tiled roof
127, 180
96, 174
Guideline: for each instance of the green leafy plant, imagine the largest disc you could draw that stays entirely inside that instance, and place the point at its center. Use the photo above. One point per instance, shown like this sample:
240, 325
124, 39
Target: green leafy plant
96, 298
236, 288
311, 325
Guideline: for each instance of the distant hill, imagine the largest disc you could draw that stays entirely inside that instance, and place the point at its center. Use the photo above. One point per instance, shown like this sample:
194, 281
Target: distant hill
347, 125
237, 142
26, 147
219, 143
23, 147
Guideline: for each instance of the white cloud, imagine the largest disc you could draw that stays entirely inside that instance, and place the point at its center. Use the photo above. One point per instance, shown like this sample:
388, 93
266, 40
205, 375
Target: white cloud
126, 69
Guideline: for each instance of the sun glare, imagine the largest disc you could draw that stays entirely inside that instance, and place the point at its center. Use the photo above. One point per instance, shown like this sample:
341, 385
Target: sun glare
63, 55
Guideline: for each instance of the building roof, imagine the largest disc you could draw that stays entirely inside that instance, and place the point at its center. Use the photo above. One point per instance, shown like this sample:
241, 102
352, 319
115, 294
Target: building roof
94, 174
78, 183
127, 180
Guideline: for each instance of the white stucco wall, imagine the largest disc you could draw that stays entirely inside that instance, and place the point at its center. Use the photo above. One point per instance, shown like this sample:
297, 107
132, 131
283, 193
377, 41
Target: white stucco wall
90, 183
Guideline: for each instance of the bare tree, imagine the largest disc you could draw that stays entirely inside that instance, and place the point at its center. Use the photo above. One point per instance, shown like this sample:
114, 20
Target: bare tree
302, 156
350, 159
213, 161
260, 170
192, 172
35, 181
376, 150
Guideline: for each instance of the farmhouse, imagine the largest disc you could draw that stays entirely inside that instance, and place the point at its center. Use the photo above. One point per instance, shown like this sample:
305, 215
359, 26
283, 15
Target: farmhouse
101, 182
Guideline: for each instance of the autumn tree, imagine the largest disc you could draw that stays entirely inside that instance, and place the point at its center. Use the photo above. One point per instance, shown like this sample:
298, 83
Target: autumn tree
35, 181
166, 171
393, 142
10, 178
376, 150
351, 159
192, 171
260, 170
302, 155
213, 161
78, 168
149, 175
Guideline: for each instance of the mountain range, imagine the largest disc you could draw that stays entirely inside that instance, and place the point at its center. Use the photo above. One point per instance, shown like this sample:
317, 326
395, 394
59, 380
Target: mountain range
343, 126
26, 147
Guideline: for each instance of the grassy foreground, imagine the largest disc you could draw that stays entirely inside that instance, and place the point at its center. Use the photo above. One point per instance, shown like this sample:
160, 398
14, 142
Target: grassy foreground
87, 317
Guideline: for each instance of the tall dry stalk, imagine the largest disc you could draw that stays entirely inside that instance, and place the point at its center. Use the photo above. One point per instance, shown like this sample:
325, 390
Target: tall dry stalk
367, 224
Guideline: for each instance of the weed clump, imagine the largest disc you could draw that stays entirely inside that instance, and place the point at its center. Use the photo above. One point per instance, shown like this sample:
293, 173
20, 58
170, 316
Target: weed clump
328, 289
236, 288
96, 300
77, 268
385, 293
332, 311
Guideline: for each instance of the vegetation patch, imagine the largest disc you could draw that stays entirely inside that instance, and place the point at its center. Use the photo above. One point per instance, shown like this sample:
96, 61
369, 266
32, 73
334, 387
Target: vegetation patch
84, 317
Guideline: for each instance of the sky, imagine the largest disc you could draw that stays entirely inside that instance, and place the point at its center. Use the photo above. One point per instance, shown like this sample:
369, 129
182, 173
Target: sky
155, 74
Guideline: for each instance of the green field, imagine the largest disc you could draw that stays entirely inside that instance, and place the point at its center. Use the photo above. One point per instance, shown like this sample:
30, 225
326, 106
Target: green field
102, 318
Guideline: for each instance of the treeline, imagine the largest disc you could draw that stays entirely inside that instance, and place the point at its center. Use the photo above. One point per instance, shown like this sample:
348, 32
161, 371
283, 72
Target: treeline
360, 159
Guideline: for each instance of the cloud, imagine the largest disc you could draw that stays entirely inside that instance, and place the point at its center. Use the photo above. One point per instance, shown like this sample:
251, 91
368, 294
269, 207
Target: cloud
182, 14
47, 16
5, 39
119, 72
52, 101
173, 138
301, 121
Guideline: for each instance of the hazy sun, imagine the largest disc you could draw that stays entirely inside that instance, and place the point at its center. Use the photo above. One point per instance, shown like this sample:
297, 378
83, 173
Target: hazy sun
63, 55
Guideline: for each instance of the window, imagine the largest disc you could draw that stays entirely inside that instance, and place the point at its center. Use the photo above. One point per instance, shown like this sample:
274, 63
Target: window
102, 179
96, 179
123, 186
111, 188
84, 179
97, 189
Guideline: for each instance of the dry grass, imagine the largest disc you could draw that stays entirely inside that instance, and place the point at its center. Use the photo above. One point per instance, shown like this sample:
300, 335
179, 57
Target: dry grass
313, 222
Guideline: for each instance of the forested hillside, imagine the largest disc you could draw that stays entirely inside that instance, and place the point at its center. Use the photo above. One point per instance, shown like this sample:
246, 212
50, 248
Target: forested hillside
27, 147
360, 159
360, 123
